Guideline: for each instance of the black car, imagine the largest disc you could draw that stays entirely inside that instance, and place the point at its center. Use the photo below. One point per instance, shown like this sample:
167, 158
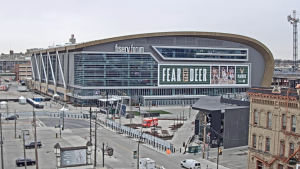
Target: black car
32, 144
11, 118
21, 162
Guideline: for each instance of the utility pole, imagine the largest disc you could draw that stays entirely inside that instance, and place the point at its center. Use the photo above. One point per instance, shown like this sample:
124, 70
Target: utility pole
90, 124
106, 104
59, 128
183, 117
95, 163
2, 164
294, 21
138, 152
15, 125
63, 127
103, 155
24, 149
204, 135
35, 140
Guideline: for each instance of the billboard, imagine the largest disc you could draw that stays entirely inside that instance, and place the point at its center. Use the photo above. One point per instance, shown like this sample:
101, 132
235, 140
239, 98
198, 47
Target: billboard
73, 157
203, 75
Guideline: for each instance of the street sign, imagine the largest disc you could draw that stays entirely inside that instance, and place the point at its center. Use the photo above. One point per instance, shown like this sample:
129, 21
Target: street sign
134, 154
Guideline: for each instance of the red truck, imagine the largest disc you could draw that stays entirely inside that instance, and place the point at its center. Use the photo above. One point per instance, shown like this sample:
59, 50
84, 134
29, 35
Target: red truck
150, 122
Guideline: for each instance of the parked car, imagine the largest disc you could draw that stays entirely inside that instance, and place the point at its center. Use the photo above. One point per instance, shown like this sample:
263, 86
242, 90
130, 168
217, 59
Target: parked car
32, 144
21, 162
190, 163
11, 118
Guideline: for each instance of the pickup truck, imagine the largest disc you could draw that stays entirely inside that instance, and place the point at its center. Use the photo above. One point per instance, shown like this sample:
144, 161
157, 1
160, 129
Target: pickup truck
32, 144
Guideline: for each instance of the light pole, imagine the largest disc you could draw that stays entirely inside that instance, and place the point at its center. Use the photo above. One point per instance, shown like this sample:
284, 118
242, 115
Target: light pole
35, 140
2, 164
59, 128
218, 142
138, 150
95, 158
63, 118
90, 124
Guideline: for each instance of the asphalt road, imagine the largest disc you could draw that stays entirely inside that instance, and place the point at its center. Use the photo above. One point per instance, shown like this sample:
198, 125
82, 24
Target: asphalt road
68, 122
123, 151
123, 146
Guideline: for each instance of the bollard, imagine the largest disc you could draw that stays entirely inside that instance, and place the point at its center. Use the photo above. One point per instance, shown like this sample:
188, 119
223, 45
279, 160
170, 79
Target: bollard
183, 144
174, 149
19, 136
180, 150
56, 135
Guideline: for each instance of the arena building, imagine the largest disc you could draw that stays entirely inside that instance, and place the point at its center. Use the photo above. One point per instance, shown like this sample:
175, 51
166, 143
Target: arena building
166, 68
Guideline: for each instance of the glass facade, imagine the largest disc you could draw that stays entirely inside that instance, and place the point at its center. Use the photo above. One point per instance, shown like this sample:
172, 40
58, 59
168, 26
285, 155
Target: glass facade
115, 70
203, 53
137, 93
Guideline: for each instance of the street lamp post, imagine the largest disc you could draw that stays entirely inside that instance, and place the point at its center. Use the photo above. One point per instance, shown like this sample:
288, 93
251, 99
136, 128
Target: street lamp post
138, 150
90, 124
59, 127
63, 118
35, 141
95, 163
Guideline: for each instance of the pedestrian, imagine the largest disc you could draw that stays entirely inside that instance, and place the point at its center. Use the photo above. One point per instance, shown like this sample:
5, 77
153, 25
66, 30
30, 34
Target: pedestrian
195, 152
207, 154
50, 105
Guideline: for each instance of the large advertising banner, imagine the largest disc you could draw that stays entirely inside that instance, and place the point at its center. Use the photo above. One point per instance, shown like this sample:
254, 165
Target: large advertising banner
203, 75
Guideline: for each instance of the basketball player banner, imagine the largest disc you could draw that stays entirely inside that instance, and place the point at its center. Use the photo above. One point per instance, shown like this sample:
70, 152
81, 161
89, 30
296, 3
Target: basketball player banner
203, 75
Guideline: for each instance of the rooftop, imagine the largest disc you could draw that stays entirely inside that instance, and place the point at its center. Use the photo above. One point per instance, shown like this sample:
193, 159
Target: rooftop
213, 103
270, 91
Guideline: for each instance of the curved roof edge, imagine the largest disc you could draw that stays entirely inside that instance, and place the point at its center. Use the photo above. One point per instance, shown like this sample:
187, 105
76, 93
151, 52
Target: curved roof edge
260, 47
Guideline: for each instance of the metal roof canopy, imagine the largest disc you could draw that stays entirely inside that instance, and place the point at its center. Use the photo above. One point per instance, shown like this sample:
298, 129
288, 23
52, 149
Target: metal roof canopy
109, 99
211, 103
174, 97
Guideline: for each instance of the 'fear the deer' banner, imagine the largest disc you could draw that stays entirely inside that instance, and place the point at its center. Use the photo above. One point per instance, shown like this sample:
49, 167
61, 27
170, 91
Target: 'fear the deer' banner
203, 75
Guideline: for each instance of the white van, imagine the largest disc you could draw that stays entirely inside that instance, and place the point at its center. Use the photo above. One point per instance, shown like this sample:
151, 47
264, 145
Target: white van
191, 164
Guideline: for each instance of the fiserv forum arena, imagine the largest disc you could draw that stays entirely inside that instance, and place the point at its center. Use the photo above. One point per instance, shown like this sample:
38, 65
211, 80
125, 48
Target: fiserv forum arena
166, 68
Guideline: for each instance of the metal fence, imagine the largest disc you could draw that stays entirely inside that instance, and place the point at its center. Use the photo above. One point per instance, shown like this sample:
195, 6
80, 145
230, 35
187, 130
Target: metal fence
156, 142
46, 114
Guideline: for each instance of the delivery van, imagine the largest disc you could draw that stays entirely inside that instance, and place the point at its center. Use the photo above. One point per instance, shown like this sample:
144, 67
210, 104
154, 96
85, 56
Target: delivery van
190, 163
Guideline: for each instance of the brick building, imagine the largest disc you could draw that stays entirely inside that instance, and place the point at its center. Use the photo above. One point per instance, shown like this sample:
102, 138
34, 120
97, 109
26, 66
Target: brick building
23, 71
274, 127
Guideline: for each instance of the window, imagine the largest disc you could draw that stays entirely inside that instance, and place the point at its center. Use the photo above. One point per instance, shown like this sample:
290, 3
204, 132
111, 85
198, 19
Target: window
254, 141
293, 129
267, 144
291, 148
255, 116
280, 166
281, 148
259, 165
283, 122
269, 121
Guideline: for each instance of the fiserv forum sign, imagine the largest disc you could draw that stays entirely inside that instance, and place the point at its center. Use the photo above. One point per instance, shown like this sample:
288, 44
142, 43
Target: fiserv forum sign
204, 75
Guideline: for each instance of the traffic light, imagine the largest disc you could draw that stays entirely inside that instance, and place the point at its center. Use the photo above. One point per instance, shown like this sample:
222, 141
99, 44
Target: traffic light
220, 151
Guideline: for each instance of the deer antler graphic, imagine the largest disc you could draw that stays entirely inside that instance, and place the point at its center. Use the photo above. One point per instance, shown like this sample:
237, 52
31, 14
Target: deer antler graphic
242, 70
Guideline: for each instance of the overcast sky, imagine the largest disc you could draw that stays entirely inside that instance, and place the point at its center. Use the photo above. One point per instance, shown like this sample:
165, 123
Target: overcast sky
37, 24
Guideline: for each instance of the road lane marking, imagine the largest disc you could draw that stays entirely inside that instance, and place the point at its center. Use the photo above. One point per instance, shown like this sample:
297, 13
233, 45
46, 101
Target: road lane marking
118, 145
131, 151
